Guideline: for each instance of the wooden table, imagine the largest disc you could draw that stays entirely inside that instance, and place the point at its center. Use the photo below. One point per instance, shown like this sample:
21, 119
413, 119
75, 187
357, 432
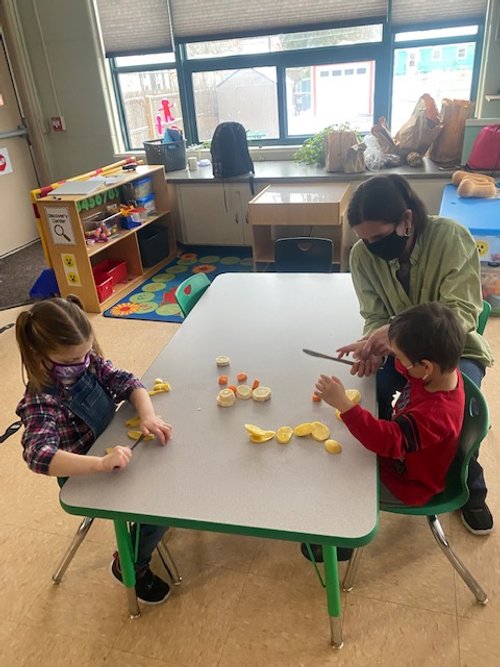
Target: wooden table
210, 477
302, 209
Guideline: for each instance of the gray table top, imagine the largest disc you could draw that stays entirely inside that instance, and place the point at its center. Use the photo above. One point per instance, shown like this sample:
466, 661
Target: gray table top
210, 475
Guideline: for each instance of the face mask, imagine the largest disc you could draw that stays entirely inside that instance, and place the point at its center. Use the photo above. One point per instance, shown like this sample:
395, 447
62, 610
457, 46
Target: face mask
66, 372
402, 370
389, 247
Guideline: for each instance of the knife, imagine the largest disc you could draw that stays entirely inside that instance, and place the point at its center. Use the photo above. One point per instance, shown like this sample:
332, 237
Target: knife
312, 353
139, 439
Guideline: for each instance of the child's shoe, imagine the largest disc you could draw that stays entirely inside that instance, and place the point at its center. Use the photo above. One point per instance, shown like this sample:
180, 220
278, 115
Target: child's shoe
343, 553
149, 588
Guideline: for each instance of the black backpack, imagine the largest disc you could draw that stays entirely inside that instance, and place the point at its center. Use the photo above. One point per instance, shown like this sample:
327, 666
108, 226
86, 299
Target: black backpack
229, 150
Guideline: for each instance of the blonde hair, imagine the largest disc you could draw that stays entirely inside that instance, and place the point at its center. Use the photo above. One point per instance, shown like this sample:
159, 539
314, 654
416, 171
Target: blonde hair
47, 326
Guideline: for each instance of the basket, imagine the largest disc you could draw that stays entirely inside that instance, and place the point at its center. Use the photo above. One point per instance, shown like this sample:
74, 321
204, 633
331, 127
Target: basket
172, 155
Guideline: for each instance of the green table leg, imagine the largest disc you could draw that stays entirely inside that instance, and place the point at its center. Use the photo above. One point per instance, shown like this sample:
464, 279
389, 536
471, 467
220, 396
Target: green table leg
333, 595
124, 544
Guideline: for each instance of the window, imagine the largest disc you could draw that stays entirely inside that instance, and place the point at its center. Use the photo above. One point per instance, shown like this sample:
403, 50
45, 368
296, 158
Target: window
461, 53
436, 54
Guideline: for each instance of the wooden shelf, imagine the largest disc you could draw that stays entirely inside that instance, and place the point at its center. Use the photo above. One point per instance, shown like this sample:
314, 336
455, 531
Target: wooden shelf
132, 283
95, 248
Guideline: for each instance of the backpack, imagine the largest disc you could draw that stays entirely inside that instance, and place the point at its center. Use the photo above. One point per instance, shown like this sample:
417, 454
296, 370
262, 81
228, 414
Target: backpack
485, 153
229, 150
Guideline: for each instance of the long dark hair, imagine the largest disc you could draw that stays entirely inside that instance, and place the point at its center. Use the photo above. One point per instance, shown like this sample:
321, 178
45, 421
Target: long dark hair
384, 199
48, 325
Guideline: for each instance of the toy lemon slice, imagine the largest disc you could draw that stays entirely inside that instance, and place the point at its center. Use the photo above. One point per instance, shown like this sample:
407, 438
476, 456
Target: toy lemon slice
284, 435
226, 398
135, 435
222, 360
261, 394
333, 447
320, 431
338, 415
353, 395
303, 429
133, 421
261, 438
258, 432
244, 392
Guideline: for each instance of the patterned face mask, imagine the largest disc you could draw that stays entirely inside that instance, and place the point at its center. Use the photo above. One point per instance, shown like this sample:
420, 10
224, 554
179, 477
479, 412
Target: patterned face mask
65, 372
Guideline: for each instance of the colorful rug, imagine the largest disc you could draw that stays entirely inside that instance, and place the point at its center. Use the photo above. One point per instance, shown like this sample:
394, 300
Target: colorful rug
155, 298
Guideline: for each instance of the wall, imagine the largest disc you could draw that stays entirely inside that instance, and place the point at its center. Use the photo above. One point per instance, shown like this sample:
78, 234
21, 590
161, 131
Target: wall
63, 46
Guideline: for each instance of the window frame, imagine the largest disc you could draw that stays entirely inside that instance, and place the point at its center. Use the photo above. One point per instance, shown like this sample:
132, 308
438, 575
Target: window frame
381, 53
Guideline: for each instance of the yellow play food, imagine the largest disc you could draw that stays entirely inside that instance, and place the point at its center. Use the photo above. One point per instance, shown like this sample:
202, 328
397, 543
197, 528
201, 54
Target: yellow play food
333, 447
258, 432
261, 394
244, 392
338, 415
320, 431
303, 429
135, 435
284, 435
133, 421
261, 438
353, 395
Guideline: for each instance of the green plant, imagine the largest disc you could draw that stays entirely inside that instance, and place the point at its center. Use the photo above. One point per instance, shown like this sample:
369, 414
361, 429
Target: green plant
312, 150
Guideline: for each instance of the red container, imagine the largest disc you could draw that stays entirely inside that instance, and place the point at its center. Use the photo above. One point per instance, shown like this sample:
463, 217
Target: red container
104, 285
113, 269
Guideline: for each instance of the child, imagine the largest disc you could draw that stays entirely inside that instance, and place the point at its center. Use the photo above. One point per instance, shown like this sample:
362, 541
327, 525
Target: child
70, 399
417, 446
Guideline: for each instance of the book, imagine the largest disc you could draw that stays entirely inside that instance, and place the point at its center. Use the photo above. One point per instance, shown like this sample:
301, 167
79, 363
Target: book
77, 187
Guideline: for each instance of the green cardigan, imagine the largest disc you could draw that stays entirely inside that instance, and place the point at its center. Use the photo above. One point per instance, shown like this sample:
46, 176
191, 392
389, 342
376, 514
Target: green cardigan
445, 267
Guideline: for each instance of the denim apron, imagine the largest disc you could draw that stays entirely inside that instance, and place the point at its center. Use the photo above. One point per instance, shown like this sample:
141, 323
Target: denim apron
87, 399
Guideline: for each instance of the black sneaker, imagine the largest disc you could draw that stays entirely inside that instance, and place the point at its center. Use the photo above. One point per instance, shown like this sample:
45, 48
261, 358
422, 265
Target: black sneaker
477, 520
149, 588
343, 553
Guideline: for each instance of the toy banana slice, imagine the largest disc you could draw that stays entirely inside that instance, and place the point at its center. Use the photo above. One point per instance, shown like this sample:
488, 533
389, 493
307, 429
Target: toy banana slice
226, 398
261, 394
244, 392
284, 435
333, 447
135, 435
320, 431
303, 429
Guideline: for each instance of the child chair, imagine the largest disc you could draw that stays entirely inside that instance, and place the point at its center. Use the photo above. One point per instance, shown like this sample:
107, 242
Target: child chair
190, 292
482, 320
474, 429
303, 254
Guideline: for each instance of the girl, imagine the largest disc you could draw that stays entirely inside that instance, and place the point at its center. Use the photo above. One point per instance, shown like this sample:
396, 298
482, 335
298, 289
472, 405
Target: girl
70, 399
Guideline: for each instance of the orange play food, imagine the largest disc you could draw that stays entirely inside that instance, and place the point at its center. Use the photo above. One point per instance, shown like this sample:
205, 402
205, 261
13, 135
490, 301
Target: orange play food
222, 379
255, 384
241, 377
316, 398
232, 387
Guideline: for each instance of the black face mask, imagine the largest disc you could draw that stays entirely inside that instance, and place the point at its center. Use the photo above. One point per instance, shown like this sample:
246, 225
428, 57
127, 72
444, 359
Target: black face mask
389, 247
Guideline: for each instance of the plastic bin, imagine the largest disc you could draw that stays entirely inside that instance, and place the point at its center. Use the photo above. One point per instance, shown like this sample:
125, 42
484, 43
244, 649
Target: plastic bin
138, 189
101, 225
113, 269
172, 155
103, 285
153, 244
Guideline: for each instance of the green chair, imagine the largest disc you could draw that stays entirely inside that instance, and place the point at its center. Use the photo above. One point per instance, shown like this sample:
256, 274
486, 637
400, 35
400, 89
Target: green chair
190, 292
475, 427
483, 317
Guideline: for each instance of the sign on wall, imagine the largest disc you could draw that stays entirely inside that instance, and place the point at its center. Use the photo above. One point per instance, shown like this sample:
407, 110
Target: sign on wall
5, 163
61, 229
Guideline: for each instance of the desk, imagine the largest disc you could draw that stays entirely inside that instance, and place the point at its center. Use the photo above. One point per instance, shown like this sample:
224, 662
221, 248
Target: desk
320, 207
210, 477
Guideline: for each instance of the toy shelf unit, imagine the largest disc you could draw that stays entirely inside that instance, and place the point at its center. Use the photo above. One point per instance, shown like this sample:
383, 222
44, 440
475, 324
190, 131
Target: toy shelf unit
97, 253
314, 209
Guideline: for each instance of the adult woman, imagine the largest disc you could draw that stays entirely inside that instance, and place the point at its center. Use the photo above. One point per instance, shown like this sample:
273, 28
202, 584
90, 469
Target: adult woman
404, 258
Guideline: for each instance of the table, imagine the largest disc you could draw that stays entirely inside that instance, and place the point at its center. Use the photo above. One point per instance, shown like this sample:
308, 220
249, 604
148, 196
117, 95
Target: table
210, 477
319, 207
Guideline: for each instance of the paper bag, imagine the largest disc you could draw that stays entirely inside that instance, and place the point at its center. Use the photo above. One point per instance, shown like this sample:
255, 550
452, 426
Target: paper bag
423, 127
337, 143
448, 145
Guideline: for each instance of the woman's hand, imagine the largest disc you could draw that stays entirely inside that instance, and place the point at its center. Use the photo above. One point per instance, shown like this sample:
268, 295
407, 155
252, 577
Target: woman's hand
118, 457
366, 367
155, 425
352, 348
331, 390
377, 344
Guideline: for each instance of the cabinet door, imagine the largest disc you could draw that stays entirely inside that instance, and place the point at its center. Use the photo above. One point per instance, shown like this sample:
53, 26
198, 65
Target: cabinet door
210, 214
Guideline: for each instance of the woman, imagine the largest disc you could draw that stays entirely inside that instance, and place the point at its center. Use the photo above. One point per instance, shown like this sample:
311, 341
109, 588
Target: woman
404, 258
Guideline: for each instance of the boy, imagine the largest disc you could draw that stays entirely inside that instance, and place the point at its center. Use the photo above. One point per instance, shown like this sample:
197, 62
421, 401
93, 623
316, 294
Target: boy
417, 446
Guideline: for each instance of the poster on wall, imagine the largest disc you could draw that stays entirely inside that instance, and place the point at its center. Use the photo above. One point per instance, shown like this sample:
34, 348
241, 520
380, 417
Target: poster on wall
5, 163
61, 229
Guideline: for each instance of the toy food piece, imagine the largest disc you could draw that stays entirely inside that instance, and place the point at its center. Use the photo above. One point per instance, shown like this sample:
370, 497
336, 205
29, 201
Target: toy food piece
472, 188
257, 431
232, 387
243, 391
258, 439
135, 435
460, 175
261, 394
338, 415
284, 434
333, 447
158, 381
241, 377
353, 395
320, 431
222, 360
108, 450
222, 379
303, 429
226, 398
133, 421
316, 398
255, 383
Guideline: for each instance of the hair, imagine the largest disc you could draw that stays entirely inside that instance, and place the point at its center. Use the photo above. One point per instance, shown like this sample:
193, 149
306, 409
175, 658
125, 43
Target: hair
385, 199
430, 331
47, 326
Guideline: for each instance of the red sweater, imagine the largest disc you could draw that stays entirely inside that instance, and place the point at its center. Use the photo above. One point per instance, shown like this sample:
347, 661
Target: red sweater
417, 446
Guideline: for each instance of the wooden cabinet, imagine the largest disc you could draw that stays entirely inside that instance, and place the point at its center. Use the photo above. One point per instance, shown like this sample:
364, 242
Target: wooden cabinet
214, 213
315, 209
74, 261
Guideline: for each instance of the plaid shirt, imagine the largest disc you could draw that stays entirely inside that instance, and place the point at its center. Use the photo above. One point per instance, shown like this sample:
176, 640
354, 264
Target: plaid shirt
50, 425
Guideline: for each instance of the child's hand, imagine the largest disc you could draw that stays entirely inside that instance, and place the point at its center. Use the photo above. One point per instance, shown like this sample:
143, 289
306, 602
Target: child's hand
331, 390
118, 457
155, 425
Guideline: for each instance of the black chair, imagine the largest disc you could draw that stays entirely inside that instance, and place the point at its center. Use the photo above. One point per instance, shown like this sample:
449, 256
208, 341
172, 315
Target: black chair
303, 254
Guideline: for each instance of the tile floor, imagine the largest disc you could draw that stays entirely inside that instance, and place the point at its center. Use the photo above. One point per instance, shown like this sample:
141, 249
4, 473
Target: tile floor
244, 601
